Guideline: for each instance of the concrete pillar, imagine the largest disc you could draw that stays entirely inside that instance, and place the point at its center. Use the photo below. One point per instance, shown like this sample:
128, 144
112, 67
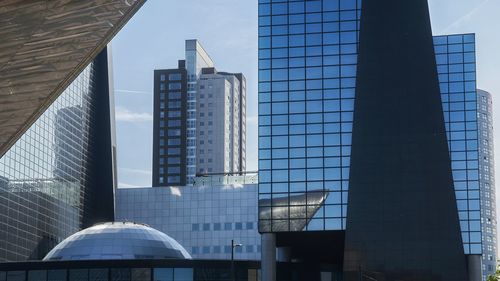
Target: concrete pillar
268, 257
474, 267
284, 254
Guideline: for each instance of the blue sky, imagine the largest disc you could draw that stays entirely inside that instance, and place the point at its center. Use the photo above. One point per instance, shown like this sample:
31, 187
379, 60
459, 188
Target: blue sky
154, 39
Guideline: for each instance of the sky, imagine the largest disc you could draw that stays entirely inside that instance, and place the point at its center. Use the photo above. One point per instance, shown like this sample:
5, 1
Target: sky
154, 39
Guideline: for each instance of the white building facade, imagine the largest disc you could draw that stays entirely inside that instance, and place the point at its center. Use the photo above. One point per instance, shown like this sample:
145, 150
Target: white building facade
221, 148
487, 181
203, 218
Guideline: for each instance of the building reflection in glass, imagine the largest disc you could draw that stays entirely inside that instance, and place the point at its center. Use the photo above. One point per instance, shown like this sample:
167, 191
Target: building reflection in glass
46, 178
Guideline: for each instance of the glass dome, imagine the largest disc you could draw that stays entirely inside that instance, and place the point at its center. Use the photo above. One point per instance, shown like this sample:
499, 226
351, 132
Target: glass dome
116, 241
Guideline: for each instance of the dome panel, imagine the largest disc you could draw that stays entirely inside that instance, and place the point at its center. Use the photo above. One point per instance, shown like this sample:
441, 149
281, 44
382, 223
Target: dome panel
118, 240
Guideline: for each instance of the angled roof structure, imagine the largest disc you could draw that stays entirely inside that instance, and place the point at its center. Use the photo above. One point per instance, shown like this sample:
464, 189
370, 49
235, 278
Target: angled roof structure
45, 45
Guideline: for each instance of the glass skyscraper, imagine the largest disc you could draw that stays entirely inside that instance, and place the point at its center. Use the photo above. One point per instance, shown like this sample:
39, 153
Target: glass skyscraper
51, 178
308, 59
456, 62
307, 74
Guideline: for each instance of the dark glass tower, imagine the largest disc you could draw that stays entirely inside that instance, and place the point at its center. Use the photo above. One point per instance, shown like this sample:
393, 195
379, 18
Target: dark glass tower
402, 222
59, 176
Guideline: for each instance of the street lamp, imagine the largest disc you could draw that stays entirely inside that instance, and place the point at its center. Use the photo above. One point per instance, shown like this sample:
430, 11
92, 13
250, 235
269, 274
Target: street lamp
233, 245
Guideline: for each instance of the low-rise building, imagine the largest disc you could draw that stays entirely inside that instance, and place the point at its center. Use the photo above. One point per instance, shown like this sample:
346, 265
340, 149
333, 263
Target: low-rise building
204, 218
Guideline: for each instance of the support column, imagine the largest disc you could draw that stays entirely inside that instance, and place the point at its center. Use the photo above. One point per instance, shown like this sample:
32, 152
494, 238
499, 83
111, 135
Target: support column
268, 257
474, 267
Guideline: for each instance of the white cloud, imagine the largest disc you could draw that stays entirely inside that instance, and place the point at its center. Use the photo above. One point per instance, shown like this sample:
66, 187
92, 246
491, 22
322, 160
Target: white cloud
124, 115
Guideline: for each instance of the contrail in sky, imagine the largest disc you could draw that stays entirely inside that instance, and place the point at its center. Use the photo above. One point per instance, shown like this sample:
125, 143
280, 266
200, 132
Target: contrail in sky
466, 17
132, 92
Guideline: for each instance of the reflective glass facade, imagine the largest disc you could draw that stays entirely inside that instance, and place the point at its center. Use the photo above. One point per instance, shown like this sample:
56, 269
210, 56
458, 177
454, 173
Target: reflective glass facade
50, 177
146, 270
104, 274
456, 61
196, 59
43, 49
307, 74
117, 240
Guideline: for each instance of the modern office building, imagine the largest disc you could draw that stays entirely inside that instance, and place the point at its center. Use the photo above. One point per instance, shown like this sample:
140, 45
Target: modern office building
361, 151
203, 218
456, 64
468, 121
59, 168
137, 270
57, 145
487, 182
119, 251
45, 47
199, 120
124, 251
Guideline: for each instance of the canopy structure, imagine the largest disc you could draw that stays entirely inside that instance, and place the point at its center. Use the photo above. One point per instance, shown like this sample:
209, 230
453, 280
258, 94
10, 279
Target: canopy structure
45, 45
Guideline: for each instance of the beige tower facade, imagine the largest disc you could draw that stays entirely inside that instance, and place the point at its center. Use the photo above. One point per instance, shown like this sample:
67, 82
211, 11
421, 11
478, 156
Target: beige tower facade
220, 123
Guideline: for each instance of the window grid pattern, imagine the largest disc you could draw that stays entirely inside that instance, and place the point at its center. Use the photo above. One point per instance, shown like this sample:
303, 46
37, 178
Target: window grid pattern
171, 149
191, 127
43, 177
196, 59
108, 274
204, 219
119, 240
455, 57
307, 67
306, 97
487, 183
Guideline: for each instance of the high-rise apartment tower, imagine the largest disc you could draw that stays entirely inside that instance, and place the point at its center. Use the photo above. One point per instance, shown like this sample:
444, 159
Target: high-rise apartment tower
199, 120
487, 182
